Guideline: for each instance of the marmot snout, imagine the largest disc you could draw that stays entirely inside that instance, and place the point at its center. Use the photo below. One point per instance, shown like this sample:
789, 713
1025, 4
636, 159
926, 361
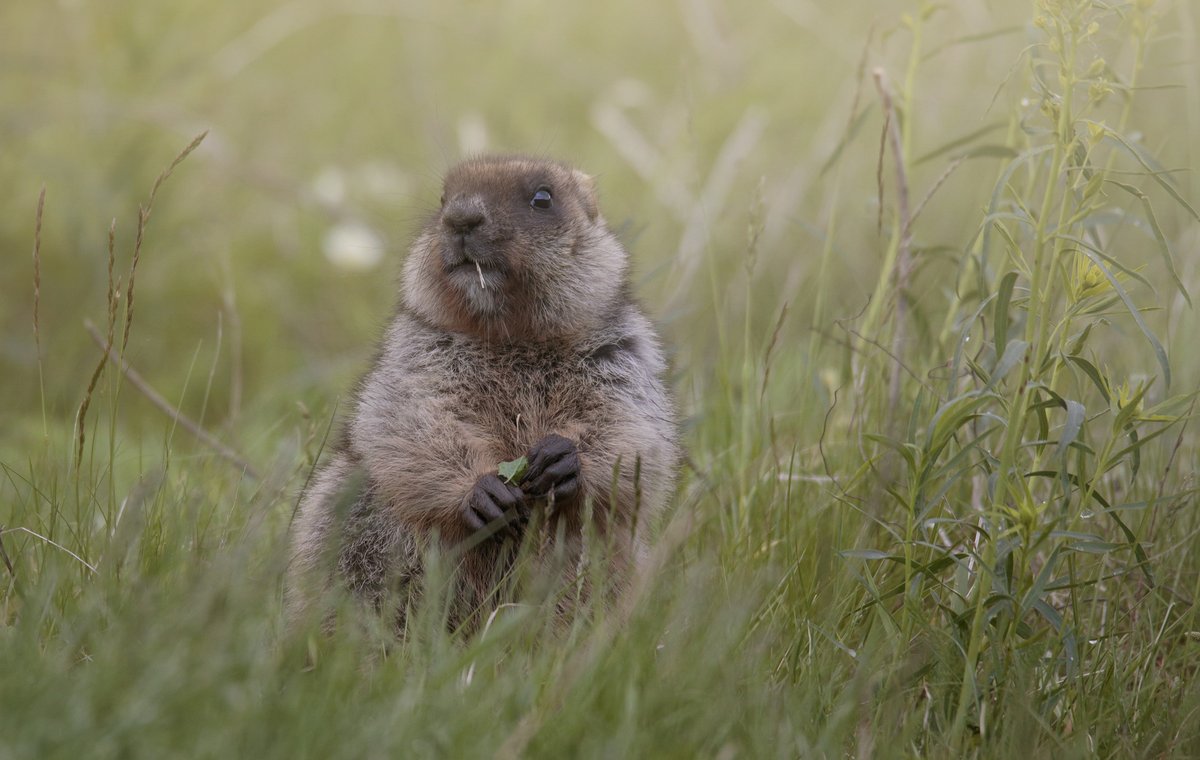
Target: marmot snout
517, 249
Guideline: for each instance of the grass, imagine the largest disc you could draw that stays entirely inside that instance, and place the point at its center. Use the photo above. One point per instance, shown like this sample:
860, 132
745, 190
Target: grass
925, 271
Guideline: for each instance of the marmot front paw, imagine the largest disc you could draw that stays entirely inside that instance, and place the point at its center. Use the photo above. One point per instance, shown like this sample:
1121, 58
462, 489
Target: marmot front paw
553, 471
492, 500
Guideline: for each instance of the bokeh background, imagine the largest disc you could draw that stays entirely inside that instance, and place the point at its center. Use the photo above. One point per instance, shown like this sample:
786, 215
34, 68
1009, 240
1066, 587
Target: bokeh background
272, 254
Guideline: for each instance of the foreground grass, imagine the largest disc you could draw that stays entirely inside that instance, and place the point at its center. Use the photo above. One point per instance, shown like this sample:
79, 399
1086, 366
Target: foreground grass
952, 513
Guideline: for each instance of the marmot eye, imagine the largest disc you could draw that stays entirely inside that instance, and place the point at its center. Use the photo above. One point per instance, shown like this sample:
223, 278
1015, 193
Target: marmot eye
541, 199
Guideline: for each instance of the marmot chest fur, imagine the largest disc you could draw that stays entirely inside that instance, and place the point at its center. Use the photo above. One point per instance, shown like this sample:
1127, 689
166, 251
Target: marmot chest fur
515, 336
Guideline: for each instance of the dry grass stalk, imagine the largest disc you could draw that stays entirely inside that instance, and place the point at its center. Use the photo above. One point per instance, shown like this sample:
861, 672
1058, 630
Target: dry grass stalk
37, 298
165, 406
143, 219
904, 254
235, 349
4, 555
51, 542
114, 293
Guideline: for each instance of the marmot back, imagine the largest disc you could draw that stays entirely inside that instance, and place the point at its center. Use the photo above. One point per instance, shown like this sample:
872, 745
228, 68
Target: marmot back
515, 335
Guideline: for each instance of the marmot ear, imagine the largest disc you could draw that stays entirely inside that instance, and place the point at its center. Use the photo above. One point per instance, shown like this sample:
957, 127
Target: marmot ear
587, 193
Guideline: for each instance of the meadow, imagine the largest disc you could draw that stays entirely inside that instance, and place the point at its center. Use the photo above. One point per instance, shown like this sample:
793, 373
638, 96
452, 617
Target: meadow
926, 273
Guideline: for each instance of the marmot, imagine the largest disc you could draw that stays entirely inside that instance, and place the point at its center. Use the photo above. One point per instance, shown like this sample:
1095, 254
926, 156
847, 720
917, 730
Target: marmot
515, 334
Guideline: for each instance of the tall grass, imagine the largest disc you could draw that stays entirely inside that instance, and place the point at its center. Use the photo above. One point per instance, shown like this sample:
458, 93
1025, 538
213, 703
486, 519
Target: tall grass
938, 381
1023, 479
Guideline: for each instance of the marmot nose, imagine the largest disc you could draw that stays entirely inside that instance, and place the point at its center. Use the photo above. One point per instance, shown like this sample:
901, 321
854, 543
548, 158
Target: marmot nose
463, 215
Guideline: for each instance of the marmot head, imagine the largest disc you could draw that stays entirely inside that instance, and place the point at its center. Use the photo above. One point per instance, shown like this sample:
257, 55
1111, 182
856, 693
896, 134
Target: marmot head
517, 250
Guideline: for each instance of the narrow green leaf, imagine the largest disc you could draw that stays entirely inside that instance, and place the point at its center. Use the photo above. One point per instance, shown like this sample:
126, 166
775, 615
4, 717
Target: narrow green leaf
998, 190
1074, 535
951, 416
855, 125
1164, 248
1128, 412
900, 498
1131, 273
1154, 173
988, 151
1013, 354
1159, 352
931, 570
1135, 453
1075, 417
1093, 374
957, 465
1049, 613
1138, 442
1078, 340
1004, 296
1043, 420
1039, 584
1138, 551
956, 365
1096, 547
870, 554
972, 38
959, 142
904, 450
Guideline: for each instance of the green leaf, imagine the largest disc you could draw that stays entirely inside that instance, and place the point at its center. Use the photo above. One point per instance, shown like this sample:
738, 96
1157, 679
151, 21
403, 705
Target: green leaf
962, 141
1013, 354
1090, 370
906, 450
1159, 352
855, 125
1001, 314
1164, 248
1150, 170
1095, 547
1138, 551
1051, 615
972, 38
951, 416
1131, 273
511, 472
1078, 340
963, 337
1070, 431
869, 554
1127, 413
998, 190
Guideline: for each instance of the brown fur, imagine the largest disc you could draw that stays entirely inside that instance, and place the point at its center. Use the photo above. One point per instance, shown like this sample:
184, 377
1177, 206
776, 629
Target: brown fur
468, 376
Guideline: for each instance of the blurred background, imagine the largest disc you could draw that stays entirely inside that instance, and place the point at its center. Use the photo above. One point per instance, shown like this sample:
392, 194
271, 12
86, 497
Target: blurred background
725, 138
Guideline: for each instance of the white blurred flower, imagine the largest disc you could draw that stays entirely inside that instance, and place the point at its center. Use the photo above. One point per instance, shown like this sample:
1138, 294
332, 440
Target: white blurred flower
830, 378
631, 93
383, 180
353, 246
330, 186
472, 135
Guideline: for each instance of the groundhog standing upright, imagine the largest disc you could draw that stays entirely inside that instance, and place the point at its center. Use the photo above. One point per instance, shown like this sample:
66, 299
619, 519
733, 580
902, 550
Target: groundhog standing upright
516, 335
